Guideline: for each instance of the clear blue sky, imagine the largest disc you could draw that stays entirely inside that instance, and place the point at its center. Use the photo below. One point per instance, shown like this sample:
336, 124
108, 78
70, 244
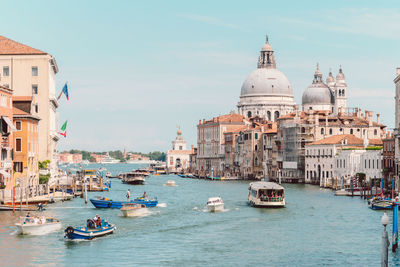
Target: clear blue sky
137, 69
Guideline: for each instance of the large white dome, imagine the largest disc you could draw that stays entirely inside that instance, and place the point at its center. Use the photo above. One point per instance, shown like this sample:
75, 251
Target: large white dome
268, 82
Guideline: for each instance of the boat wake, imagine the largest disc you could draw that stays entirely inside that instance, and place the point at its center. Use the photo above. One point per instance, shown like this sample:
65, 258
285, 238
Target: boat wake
170, 185
195, 208
161, 205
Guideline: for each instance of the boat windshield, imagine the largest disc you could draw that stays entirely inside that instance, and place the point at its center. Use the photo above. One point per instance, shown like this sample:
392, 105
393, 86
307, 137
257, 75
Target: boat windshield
214, 201
270, 195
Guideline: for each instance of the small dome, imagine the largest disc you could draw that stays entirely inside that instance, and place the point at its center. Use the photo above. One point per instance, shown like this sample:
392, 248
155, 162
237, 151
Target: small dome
330, 78
340, 75
266, 82
318, 95
267, 47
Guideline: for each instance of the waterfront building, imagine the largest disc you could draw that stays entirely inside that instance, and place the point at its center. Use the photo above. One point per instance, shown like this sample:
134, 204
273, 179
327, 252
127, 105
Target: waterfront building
136, 157
397, 123
178, 158
7, 140
249, 150
210, 140
32, 72
336, 157
193, 160
270, 150
297, 129
26, 141
388, 157
231, 166
266, 92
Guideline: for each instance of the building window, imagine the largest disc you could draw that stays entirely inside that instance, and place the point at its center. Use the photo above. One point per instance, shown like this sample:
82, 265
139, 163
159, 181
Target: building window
35, 71
256, 161
322, 130
351, 131
34, 89
36, 108
18, 166
7, 86
276, 115
249, 114
18, 125
255, 147
256, 136
269, 115
330, 131
375, 132
18, 145
6, 71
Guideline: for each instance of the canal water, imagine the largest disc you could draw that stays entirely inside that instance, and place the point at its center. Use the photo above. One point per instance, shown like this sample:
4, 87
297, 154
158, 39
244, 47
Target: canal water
316, 228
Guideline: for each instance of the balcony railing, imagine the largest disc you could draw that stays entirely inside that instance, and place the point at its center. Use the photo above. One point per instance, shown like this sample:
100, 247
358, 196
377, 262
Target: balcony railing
6, 164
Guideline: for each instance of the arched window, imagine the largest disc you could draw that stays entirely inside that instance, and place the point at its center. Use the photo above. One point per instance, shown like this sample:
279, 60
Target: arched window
276, 115
343, 92
375, 132
269, 115
255, 147
340, 93
322, 130
256, 161
330, 131
303, 130
249, 114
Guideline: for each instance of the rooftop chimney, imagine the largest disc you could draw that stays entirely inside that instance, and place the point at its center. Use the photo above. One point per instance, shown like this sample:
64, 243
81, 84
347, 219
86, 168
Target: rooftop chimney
377, 117
370, 114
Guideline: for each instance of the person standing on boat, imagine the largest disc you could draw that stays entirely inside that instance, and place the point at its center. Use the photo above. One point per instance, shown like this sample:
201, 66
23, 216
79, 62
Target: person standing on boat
128, 195
145, 195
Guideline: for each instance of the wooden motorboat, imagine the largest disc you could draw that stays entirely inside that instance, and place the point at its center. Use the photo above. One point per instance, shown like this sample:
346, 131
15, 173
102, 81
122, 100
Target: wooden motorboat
133, 209
37, 225
215, 204
102, 203
134, 178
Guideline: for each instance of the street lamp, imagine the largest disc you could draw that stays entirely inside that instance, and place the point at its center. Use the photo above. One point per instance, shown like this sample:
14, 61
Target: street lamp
385, 241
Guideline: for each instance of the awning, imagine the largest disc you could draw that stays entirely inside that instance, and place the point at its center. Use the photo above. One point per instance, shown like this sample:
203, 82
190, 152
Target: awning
9, 122
4, 173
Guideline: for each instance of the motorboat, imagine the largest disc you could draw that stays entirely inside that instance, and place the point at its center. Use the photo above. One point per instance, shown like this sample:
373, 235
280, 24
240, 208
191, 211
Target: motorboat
341, 192
37, 225
144, 172
170, 183
133, 209
90, 231
133, 178
266, 195
181, 175
108, 174
215, 204
379, 203
102, 203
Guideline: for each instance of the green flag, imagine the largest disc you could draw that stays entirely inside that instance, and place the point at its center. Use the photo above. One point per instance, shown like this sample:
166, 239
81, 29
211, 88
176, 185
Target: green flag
64, 127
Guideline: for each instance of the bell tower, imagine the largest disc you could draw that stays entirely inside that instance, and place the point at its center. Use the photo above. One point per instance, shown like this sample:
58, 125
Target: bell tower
340, 93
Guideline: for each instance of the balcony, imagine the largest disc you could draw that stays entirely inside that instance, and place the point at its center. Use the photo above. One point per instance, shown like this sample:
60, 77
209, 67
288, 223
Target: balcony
6, 164
5, 141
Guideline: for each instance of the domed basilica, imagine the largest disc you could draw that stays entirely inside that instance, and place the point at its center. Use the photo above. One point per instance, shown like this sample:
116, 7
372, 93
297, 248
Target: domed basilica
267, 93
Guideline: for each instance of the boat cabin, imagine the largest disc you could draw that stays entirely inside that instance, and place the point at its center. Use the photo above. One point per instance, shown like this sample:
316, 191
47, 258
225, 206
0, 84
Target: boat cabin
266, 194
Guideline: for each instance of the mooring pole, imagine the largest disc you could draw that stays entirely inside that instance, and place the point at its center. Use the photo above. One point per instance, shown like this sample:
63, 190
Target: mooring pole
385, 241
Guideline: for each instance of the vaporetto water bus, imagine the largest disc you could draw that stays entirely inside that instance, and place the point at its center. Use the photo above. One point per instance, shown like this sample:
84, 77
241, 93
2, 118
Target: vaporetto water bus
266, 195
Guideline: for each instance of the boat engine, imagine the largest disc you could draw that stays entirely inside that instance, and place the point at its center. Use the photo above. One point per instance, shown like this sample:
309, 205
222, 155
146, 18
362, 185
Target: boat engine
69, 231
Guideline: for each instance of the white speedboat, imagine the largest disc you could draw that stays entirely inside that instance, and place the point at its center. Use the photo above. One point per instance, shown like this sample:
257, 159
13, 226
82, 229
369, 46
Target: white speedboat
170, 183
215, 204
133, 210
266, 195
37, 225
341, 192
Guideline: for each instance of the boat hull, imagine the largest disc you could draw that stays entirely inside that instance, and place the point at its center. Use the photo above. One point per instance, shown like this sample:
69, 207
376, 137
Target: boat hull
382, 205
216, 207
35, 229
83, 233
266, 204
134, 212
104, 204
134, 182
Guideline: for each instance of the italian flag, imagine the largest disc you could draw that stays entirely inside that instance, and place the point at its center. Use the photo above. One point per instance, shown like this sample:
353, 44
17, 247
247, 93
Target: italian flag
63, 131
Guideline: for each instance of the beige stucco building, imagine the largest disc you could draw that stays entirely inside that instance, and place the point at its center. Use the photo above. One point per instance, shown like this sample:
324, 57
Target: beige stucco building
31, 72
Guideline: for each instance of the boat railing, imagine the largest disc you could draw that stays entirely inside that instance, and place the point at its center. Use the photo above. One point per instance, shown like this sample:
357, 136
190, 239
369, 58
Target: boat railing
271, 199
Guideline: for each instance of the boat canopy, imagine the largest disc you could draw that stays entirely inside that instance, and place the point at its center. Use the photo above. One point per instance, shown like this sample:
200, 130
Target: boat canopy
266, 185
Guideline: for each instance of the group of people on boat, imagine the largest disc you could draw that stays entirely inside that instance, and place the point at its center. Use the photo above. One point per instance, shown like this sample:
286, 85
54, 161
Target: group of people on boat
34, 219
271, 197
94, 223
128, 195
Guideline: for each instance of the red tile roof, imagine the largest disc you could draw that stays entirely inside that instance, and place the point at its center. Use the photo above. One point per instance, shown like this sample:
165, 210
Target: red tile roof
22, 98
17, 111
11, 47
351, 140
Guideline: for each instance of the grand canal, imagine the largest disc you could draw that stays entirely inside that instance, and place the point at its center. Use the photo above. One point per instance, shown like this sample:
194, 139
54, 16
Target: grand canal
316, 228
